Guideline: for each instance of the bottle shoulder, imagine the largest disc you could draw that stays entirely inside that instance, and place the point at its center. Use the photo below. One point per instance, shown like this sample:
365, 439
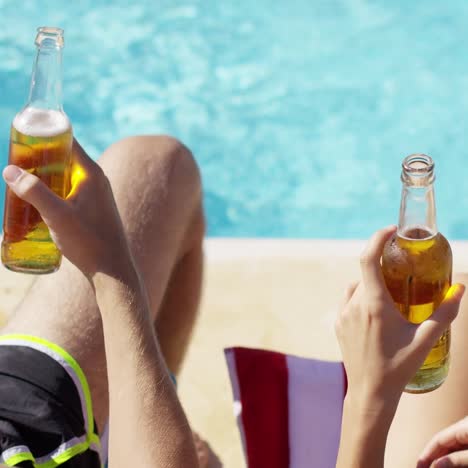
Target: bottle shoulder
37, 122
400, 248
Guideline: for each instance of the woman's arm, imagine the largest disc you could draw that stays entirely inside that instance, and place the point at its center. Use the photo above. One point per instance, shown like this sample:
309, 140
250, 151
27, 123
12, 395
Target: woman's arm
147, 424
381, 352
364, 430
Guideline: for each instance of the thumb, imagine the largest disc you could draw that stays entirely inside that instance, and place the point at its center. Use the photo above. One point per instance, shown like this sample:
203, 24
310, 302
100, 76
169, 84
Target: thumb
31, 189
431, 329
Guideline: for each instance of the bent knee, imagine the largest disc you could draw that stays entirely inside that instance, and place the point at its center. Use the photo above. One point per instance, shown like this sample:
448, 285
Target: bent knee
159, 156
164, 161
184, 183
183, 170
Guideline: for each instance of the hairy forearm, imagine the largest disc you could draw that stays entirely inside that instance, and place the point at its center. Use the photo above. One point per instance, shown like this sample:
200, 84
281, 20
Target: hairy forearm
148, 427
364, 433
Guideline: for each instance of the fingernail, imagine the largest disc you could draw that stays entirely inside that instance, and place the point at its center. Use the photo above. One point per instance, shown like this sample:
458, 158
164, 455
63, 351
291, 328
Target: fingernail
442, 463
11, 173
456, 290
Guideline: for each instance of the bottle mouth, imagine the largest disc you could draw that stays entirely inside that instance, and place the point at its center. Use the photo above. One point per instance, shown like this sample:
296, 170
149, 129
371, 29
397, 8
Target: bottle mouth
48, 36
418, 170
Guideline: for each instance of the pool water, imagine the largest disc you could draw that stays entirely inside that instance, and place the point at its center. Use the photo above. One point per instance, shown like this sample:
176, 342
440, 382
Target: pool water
299, 112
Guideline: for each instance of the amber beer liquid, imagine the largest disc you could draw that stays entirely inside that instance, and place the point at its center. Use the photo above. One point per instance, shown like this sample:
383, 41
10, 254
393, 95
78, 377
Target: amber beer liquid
417, 266
40, 143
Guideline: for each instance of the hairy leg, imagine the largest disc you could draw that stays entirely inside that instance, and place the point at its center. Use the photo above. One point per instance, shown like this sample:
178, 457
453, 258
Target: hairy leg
157, 188
165, 225
419, 417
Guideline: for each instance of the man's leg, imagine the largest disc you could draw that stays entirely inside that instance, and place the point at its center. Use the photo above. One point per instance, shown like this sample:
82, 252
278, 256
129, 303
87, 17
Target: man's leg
165, 224
419, 417
157, 188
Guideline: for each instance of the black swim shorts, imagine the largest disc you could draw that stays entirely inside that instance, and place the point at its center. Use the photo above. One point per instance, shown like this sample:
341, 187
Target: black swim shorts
46, 416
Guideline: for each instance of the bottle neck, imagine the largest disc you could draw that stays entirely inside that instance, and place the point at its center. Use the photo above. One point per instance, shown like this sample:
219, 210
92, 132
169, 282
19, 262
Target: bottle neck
46, 80
417, 212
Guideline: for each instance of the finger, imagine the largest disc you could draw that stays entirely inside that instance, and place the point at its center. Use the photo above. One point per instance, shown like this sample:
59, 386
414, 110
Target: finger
31, 189
82, 168
81, 158
349, 291
451, 438
454, 460
430, 330
370, 259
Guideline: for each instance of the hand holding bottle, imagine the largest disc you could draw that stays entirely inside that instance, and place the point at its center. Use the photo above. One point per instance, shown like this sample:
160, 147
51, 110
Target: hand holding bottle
381, 350
417, 265
40, 143
86, 226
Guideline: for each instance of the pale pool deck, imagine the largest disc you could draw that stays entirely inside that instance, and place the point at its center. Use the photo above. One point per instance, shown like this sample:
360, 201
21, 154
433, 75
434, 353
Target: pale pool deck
276, 294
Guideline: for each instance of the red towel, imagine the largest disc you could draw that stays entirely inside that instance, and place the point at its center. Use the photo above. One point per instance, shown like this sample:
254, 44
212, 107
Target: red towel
288, 408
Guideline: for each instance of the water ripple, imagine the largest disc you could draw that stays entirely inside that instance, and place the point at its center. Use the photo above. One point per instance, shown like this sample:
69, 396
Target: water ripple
299, 112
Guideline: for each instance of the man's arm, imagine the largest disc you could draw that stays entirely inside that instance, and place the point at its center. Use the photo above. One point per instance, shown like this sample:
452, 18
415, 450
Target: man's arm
147, 422
148, 427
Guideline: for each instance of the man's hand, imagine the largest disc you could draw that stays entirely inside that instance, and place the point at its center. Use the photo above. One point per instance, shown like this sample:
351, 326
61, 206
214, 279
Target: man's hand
86, 226
381, 350
148, 426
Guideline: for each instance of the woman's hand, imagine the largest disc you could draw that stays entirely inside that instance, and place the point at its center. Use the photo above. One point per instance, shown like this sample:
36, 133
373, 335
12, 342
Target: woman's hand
448, 448
381, 350
86, 226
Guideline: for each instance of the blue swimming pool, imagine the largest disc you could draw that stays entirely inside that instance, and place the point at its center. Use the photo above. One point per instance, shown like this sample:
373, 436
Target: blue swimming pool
299, 112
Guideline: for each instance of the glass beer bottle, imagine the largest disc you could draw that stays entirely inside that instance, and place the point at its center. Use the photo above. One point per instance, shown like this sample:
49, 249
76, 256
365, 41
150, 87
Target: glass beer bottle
417, 265
40, 143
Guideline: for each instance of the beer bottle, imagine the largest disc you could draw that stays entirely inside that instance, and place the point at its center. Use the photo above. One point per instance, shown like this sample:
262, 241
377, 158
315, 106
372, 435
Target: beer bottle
417, 265
40, 143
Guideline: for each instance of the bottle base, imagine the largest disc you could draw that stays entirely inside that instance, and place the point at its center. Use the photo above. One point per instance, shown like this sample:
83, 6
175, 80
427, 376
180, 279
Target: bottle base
33, 257
32, 269
427, 380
